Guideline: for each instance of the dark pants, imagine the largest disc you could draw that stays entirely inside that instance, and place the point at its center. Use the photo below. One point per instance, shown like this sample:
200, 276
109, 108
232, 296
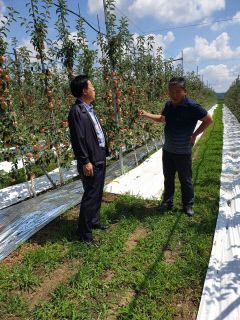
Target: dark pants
91, 201
182, 164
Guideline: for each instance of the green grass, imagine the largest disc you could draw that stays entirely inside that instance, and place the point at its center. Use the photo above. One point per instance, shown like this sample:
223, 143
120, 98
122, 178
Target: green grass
160, 278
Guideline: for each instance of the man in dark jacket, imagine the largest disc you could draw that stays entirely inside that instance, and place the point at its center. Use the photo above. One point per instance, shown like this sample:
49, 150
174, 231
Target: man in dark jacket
90, 149
180, 115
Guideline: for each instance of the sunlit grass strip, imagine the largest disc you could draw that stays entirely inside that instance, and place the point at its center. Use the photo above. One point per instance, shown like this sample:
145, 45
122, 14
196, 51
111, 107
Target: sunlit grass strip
164, 273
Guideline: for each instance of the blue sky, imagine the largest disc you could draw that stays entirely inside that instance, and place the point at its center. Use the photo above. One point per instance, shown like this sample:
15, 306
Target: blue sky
212, 48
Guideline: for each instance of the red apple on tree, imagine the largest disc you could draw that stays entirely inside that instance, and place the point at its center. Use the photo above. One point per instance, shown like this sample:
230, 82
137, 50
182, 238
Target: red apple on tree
35, 146
32, 175
29, 155
64, 123
2, 59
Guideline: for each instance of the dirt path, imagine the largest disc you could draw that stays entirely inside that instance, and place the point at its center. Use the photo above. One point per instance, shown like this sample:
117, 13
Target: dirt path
123, 298
42, 293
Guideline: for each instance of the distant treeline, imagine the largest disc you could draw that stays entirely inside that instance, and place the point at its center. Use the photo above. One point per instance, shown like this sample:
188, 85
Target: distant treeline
220, 95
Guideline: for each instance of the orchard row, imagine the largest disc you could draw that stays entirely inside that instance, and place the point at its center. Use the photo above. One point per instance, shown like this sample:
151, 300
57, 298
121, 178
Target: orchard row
35, 97
232, 98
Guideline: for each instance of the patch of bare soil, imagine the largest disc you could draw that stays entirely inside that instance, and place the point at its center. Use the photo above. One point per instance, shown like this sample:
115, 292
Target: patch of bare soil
121, 301
107, 276
186, 305
17, 255
170, 256
134, 238
59, 275
109, 197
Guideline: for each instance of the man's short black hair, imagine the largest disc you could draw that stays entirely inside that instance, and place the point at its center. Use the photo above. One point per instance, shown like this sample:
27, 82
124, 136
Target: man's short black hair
78, 84
177, 81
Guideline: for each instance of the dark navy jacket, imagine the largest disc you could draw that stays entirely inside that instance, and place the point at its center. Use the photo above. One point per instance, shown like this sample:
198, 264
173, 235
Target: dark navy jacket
84, 138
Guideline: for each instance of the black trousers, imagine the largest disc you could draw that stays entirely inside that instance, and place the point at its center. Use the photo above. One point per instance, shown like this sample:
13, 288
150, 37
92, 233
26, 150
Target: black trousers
182, 164
91, 200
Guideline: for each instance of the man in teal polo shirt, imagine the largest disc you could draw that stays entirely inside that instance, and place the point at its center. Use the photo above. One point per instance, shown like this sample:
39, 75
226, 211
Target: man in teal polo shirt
180, 115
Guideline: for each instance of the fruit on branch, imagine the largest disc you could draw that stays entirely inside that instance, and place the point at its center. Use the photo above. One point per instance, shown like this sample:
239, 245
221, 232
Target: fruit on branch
64, 123
32, 175
29, 155
2, 59
7, 77
35, 146
4, 105
38, 56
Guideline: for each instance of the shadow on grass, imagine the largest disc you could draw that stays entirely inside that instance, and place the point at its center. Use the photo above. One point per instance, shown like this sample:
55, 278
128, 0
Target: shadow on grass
58, 230
152, 269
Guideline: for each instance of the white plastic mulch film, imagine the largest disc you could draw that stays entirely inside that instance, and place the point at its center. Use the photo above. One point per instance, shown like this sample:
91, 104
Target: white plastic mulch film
20, 221
20, 192
221, 292
144, 181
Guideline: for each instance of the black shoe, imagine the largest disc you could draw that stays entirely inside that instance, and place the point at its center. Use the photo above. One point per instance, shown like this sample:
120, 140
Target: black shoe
165, 206
188, 210
99, 226
89, 242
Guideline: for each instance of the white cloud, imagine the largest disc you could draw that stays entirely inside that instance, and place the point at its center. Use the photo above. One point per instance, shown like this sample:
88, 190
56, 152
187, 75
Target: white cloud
26, 43
164, 10
2, 11
95, 6
219, 76
217, 49
2, 7
223, 24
